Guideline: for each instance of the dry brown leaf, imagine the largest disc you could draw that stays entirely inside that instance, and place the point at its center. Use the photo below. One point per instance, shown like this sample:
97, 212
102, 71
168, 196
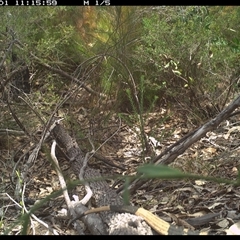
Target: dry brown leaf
200, 182
164, 200
210, 150
235, 171
148, 197
154, 208
215, 205
198, 214
223, 223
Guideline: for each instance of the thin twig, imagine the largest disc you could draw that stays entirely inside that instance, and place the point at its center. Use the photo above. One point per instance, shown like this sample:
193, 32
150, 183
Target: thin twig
66, 75
87, 187
64, 187
11, 132
60, 177
119, 127
32, 215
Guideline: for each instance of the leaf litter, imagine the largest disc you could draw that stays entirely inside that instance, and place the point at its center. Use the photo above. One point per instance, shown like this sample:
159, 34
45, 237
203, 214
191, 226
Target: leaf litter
197, 204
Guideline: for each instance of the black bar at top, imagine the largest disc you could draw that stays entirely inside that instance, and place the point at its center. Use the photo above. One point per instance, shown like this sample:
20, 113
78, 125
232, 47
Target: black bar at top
75, 3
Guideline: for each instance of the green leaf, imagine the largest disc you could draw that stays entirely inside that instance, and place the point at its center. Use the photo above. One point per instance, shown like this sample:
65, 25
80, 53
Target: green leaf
161, 171
164, 172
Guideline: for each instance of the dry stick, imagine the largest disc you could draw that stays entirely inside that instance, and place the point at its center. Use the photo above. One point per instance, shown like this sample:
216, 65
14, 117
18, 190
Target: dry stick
199, 133
64, 186
138, 183
119, 127
98, 156
86, 158
103, 194
18, 120
33, 156
33, 109
60, 177
233, 80
45, 134
107, 161
93, 222
35, 217
186, 142
89, 192
24, 207
32, 215
11, 132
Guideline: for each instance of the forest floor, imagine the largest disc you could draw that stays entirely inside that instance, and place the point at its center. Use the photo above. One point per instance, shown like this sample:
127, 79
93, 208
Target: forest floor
199, 204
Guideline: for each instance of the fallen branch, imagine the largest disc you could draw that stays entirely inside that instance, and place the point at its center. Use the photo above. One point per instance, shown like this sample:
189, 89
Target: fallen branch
116, 223
198, 134
178, 148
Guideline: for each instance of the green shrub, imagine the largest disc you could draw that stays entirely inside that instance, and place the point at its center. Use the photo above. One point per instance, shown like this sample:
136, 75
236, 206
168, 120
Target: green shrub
186, 57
